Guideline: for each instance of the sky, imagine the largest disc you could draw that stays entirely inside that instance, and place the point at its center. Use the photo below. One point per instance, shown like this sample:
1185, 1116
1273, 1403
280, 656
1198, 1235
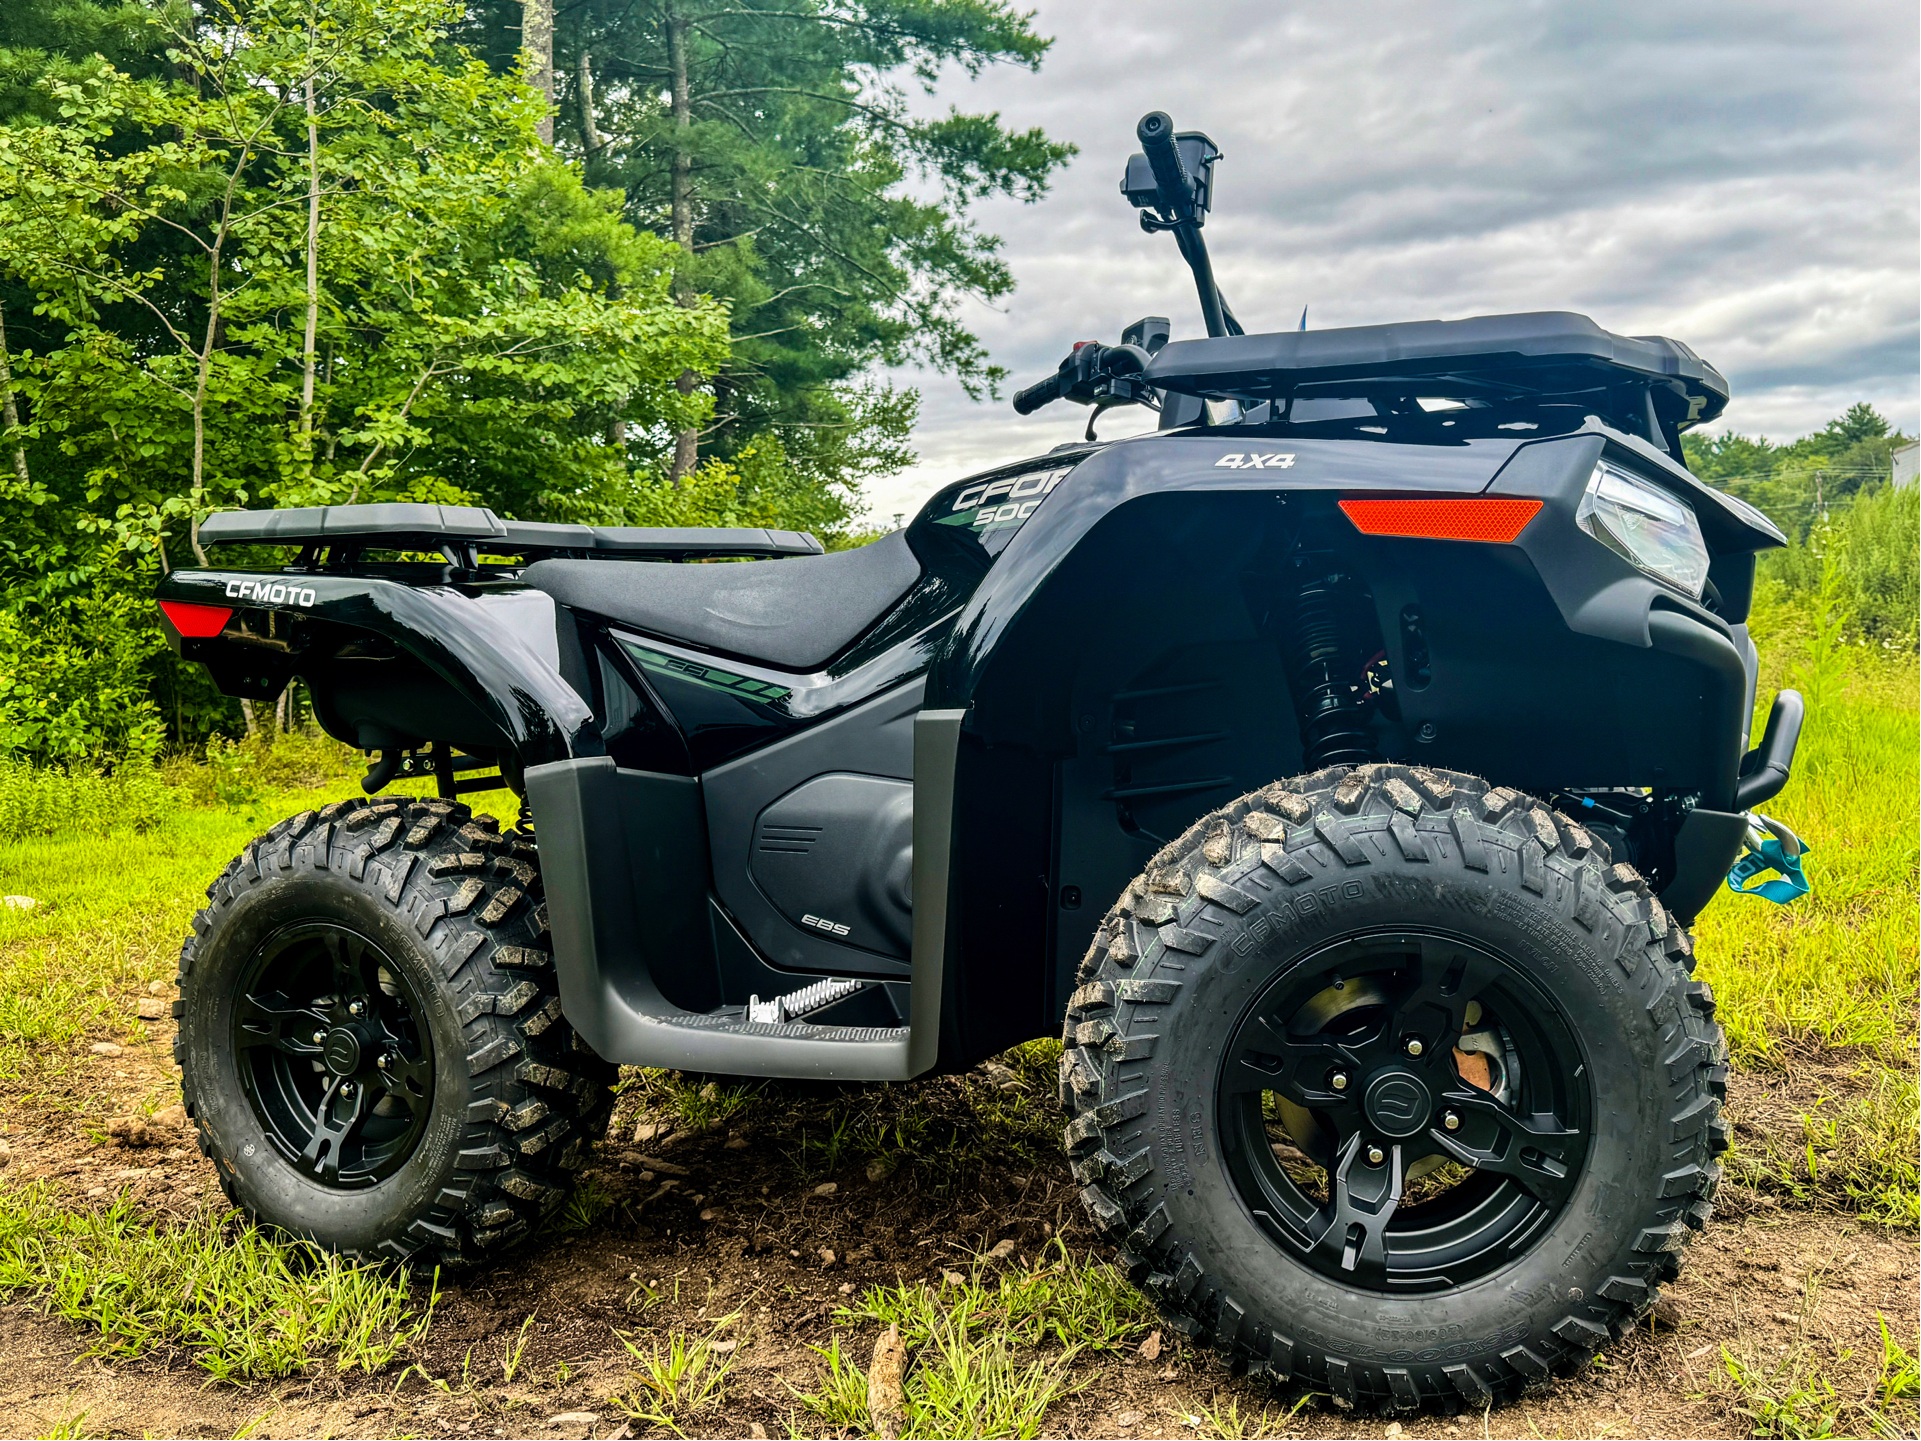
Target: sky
1741, 176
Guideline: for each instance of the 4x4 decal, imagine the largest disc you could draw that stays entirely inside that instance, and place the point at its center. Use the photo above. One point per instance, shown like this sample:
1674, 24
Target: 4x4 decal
1265, 460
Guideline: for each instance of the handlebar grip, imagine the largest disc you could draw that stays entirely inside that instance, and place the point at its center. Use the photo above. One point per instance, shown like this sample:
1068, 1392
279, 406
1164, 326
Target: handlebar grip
1027, 401
1156, 134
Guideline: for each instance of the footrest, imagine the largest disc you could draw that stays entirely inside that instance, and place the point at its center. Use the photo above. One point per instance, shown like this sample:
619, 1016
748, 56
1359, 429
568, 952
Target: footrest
739, 1025
804, 1002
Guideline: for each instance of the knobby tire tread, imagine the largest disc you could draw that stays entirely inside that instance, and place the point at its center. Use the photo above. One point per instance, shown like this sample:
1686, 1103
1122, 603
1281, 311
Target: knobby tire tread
1310, 828
537, 1096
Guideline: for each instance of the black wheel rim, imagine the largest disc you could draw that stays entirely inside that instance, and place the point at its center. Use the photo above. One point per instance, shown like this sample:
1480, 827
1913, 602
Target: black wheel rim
334, 1053
1325, 1048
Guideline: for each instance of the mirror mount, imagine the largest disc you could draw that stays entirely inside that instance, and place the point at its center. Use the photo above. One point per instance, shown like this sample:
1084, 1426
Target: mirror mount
1171, 182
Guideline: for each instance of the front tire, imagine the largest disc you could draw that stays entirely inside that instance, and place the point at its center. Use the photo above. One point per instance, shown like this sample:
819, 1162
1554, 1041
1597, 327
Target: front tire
370, 1042
1391, 1085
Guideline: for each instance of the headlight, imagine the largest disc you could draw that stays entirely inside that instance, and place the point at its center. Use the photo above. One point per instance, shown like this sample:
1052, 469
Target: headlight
1649, 526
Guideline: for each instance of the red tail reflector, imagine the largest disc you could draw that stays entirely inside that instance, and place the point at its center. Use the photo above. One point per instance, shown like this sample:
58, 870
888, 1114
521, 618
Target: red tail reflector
1476, 518
196, 621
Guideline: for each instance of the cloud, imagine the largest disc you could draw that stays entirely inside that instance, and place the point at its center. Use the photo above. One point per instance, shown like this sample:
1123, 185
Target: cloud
1740, 176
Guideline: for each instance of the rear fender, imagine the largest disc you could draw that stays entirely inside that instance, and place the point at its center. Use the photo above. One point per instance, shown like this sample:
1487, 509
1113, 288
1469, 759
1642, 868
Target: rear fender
391, 664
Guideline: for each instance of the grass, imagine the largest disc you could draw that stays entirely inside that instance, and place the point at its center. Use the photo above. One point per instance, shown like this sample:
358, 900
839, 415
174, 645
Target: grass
1833, 976
1792, 1396
244, 1307
117, 899
1836, 971
992, 1351
679, 1381
1836, 966
1081, 1304
962, 1384
1852, 1152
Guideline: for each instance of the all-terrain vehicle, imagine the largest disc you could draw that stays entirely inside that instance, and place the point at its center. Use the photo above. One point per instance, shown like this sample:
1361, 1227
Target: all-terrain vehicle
1341, 765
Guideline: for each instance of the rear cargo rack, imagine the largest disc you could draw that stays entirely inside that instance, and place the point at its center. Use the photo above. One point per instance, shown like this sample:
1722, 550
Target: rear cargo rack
403, 525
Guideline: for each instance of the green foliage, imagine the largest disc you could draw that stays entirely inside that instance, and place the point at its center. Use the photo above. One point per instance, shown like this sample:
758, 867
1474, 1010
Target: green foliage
476, 309
1838, 967
43, 801
1806, 481
963, 1384
1863, 565
242, 1305
116, 898
1789, 1395
42, 38
72, 687
1082, 1304
777, 140
486, 329
1855, 1151
678, 1382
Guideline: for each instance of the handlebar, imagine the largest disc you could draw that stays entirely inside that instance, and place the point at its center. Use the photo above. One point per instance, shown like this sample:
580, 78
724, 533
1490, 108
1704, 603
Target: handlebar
1156, 134
1090, 372
1042, 392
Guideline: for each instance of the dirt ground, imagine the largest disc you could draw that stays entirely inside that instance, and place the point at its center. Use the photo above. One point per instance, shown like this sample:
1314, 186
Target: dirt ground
1778, 1288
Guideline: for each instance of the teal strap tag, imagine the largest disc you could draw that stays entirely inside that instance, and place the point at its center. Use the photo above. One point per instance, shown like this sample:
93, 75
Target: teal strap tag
1770, 856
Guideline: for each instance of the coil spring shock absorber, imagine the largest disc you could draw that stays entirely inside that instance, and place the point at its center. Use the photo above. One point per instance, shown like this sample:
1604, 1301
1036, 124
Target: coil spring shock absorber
1325, 656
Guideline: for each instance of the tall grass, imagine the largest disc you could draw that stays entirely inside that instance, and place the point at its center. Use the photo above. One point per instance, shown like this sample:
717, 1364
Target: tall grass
46, 800
1839, 965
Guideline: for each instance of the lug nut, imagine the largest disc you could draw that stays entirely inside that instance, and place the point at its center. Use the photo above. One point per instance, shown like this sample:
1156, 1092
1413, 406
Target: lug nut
384, 1060
1375, 1155
1414, 1046
319, 1038
1451, 1120
1338, 1080
356, 1008
347, 1089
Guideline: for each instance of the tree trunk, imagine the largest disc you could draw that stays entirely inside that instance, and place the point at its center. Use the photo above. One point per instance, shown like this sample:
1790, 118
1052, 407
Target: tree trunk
309, 356
9, 412
590, 137
537, 39
687, 442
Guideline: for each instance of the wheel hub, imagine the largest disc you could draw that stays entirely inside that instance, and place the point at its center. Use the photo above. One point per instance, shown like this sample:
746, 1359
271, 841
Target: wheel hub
1398, 1104
334, 1052
1375, 1149
344, 1049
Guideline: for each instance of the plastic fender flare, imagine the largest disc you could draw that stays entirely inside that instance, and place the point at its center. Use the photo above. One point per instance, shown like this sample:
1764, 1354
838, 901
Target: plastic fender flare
523, 696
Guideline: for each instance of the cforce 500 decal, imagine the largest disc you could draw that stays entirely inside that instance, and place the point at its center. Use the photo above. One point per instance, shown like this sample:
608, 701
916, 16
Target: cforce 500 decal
1237, 460
1008, 501
271, 592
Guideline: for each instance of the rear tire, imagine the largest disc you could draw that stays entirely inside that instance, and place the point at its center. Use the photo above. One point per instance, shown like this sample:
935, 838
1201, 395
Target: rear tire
370, 1041
1371, 915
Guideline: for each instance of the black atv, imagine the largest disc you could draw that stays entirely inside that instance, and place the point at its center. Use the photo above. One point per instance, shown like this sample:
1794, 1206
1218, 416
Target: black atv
1342, 764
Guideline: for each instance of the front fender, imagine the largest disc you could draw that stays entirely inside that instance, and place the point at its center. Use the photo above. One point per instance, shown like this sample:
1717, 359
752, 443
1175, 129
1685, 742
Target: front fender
1177, 464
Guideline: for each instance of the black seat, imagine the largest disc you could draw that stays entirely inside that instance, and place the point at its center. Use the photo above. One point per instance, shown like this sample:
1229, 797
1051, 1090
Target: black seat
794, 614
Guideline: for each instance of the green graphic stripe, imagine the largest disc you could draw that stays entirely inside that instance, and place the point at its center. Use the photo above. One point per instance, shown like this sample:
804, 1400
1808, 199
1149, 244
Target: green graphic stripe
761, 691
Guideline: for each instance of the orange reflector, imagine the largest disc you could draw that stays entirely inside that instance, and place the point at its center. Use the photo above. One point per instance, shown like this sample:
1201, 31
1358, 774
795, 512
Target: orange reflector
1476, 518
196, 621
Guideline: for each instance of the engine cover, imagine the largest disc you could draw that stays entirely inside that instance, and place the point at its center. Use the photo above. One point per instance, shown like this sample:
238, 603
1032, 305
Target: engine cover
835, 856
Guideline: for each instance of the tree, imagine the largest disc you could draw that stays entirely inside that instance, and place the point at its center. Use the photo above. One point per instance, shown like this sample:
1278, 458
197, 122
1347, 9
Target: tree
775, 142
404, 221
322, 256
1800, 483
